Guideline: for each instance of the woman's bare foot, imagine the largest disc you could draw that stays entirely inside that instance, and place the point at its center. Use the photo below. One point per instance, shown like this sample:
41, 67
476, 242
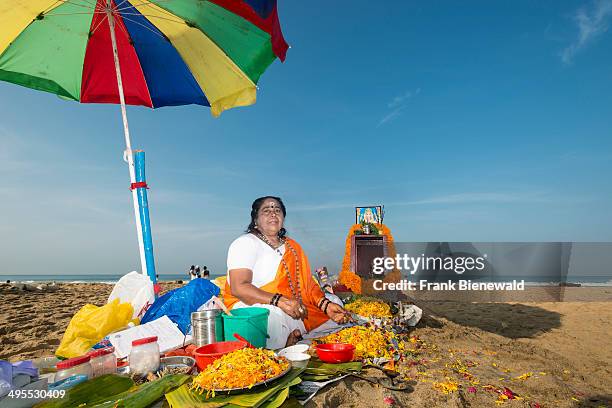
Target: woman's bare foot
293, 338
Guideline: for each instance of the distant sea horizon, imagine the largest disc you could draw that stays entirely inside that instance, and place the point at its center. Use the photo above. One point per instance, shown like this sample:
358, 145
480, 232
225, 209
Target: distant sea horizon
92, 278
113, 278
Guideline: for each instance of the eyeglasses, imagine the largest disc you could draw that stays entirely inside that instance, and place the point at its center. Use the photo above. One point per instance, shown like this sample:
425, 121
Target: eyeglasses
268, 211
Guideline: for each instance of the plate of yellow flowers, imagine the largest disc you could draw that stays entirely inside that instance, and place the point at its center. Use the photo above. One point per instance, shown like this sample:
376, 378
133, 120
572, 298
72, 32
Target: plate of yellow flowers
369, 342
241, 370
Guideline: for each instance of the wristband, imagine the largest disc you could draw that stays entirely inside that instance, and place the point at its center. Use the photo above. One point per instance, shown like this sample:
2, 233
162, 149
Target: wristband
275, 298
278, 299
324, 302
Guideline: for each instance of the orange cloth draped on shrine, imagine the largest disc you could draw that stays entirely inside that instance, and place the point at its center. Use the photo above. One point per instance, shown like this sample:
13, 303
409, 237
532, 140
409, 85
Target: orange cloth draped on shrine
309, 288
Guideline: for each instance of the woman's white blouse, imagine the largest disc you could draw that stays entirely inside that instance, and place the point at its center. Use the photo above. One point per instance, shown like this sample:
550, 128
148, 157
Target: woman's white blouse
250, 252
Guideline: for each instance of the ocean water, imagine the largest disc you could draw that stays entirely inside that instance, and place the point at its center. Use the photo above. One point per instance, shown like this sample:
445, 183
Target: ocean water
110, 279
86, 278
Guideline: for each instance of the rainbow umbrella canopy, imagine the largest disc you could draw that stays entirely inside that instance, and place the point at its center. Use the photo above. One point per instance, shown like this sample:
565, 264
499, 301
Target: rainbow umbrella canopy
141, 52
171, 52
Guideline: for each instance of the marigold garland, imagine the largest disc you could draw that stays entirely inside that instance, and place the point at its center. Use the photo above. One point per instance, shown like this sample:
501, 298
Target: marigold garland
349, 278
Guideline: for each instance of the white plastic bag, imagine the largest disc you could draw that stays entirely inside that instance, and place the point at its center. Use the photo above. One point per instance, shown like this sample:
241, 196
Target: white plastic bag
412, 315
134, 288
212, 303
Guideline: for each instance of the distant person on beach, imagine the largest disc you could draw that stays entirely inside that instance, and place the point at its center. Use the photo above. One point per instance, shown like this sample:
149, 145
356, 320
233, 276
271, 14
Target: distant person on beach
270, 270
192, 274
205, 273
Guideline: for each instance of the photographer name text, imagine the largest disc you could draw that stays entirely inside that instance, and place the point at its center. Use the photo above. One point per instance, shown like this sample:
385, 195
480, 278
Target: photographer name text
463, 284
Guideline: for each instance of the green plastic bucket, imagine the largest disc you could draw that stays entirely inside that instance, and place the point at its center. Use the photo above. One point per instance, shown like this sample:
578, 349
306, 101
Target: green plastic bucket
249, 322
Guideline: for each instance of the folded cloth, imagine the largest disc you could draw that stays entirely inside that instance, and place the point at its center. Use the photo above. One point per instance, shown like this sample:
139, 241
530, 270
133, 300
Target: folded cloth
25, 367
6, 377
327, 328
15, 375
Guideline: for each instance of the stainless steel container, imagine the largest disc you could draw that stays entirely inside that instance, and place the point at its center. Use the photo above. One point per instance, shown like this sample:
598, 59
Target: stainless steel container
207, 327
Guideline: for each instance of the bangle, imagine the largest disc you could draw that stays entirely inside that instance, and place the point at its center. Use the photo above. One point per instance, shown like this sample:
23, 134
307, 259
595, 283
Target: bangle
278, 299
320, 302
325, 308
274, 300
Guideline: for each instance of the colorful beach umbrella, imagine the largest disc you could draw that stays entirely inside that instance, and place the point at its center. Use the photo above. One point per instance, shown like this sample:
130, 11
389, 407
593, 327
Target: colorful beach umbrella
151, 53
171, 52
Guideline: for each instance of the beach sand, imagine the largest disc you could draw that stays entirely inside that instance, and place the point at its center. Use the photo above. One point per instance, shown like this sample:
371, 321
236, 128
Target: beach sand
562, 350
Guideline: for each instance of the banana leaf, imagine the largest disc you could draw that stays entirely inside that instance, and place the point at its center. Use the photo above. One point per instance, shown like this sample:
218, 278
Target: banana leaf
340, 367
183, 397
276, 400
320, 371
90, 392
147, 393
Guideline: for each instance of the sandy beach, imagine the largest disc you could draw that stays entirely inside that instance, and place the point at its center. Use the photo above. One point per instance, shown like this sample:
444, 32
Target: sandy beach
555, 354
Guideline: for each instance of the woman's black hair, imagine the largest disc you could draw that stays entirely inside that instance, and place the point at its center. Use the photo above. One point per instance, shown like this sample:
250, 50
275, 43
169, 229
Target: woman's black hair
255, 210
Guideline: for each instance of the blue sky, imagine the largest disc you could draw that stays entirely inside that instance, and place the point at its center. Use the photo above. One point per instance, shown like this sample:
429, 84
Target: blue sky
480, 121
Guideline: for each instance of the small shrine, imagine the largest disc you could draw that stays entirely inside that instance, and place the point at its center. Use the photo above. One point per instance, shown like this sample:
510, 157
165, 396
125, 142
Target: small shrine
367, 239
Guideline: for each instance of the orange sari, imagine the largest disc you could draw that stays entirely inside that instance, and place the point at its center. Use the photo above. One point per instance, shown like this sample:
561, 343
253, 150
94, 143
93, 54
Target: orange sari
309, 288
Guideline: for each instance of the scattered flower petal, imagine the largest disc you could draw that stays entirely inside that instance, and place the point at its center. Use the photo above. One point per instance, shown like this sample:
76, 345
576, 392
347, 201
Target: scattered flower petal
446, 387
508, 393
524, 376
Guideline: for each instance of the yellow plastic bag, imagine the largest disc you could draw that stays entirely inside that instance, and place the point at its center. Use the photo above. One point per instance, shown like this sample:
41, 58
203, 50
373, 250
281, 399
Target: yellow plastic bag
90, 325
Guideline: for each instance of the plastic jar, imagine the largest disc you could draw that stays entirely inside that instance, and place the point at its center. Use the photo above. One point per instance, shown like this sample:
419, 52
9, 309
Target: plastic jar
72, 367
103, 361
144, 357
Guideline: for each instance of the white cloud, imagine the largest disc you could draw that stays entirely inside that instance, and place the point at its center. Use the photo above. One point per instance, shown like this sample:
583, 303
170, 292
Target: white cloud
459, 198
399, 100
390, 116
397, 106
592, 22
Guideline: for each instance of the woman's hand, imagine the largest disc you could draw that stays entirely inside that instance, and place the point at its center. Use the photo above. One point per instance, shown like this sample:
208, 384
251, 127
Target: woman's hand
338, 314
292, 307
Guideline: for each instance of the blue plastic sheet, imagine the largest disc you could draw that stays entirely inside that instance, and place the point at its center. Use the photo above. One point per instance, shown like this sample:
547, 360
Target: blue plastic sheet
178, 304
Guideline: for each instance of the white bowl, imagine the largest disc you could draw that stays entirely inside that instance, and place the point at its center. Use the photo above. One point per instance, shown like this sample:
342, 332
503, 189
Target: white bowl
297, 359
298, 348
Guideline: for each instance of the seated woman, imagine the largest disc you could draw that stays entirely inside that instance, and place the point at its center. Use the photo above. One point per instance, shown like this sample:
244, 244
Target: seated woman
268, 269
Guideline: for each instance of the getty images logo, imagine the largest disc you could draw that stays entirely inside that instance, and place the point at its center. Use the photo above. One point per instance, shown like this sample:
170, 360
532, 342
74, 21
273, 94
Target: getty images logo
413, 264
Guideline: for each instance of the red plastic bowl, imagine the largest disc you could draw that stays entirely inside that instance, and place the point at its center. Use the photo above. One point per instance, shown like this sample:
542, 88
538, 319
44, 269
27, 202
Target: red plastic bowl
335, 352
207, 354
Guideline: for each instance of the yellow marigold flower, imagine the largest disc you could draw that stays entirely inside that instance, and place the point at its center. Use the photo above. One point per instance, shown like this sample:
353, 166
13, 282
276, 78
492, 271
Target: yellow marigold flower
524, 376
369, 308
446, 387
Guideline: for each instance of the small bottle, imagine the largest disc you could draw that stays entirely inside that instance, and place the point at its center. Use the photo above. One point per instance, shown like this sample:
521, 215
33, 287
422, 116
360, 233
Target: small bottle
103, 361
144, 357
73, 367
